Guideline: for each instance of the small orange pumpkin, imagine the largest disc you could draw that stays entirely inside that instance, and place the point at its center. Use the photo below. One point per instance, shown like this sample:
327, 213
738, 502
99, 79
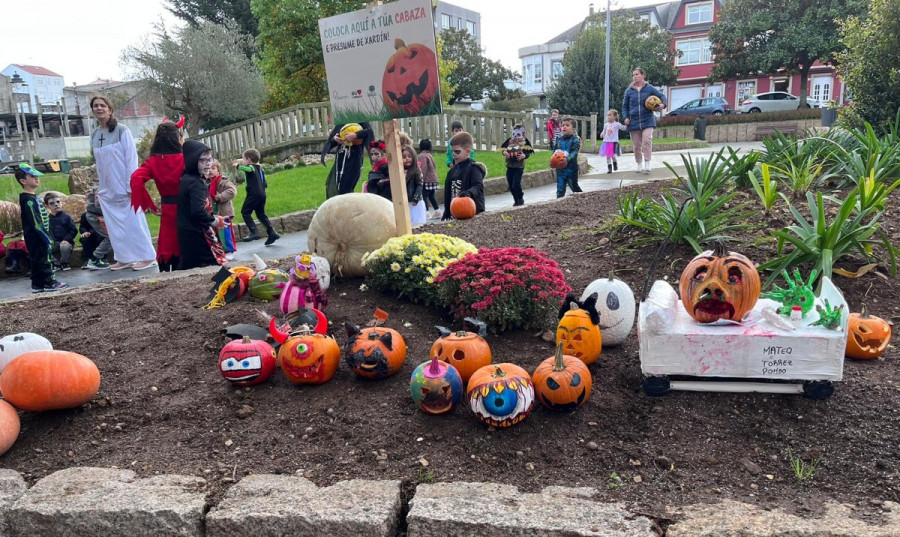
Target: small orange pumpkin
49, 380
466, 351
501, 395
867, 335
306, 356
558, 160
462, 208
410, 80
9, 426
562, 382
719, 285
376, 352
578, 329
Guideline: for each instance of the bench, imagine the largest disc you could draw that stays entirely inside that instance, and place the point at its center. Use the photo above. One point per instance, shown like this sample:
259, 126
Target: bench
768, 130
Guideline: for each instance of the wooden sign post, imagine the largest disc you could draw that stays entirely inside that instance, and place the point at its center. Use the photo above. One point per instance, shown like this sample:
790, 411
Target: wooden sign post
398, 176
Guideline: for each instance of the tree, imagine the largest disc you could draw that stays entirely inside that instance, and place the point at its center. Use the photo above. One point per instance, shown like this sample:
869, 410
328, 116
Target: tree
870, 65
217, 11
474, 76
201, 72
754, 37
633, 43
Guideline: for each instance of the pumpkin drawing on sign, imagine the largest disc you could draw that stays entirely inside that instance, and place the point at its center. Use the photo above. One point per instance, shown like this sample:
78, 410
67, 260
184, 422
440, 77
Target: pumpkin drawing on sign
466, 351
305, 356
719, 285
436, 387
578, 329
562, 382
410, 79
501, 395
867, 335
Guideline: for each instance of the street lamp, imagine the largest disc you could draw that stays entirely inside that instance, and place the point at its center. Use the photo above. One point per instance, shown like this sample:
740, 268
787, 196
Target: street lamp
606, 83
18, 83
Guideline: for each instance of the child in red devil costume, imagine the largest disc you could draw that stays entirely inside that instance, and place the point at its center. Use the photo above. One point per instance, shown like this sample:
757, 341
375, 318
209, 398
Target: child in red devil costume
165, 166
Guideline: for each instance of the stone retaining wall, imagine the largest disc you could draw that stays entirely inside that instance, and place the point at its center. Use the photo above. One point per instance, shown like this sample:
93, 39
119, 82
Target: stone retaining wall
104, 502
733, 132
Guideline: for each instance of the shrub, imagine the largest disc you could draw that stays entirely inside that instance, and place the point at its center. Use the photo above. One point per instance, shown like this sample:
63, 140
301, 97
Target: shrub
505, 287
731, 119
10, 217
408, 265
288, 165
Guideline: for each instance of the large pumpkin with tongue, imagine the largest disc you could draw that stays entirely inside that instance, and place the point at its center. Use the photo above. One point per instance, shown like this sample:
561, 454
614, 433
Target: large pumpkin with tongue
719, 285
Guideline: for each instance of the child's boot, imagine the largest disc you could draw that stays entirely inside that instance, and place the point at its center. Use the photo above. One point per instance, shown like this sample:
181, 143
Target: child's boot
273, 236
616, 165
609, 168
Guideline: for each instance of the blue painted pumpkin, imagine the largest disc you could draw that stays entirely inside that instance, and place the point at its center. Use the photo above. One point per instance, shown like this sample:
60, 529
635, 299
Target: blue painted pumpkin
436, 387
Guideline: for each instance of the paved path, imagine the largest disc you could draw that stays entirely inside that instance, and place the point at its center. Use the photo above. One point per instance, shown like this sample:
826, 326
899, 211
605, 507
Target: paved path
293, 243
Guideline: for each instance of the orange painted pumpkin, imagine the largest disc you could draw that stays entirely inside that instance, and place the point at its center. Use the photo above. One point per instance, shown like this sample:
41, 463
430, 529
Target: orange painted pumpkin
562, 382
501, 395
652, 103
466, 351
410, 80
305, 356
9, 426
375, 352
867, 335
558, 160
49, 380
578, 330
719, 285
462, 208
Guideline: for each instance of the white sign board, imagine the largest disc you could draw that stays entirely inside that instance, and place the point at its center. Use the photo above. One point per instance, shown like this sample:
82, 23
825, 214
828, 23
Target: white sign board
381, 62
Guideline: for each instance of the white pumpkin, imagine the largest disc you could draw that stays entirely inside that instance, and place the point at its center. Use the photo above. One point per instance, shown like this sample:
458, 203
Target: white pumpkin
346, 227
12, 346
615, 304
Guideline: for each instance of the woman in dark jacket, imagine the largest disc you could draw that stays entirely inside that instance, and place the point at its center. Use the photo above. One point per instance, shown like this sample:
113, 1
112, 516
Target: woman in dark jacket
640, 120
348, 161
195, 222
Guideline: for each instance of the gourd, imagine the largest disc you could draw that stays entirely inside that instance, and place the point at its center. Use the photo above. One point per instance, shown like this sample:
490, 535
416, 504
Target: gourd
49, 380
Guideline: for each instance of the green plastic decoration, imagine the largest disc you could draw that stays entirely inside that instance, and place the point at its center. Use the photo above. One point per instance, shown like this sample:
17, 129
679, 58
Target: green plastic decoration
829, 317
796, 294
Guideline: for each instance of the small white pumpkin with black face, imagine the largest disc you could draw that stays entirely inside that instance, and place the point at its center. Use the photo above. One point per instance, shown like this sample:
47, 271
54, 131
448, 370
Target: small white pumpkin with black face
616, 306
15, 345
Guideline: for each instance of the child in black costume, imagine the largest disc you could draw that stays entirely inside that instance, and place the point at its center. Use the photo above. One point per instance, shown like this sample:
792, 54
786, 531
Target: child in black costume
36, 228
256, 197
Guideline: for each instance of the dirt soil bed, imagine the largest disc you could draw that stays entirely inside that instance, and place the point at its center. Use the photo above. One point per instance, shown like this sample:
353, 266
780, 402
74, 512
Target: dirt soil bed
164, 408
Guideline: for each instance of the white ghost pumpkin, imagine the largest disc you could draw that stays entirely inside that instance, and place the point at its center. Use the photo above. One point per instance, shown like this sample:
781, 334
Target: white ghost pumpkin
615, 304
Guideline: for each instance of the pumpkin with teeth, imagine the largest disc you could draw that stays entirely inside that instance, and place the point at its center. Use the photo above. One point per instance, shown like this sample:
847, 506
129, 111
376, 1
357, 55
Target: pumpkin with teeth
436, 387
719, 285
562, 382
305, 356
867, 336
375, 353
410, 80
578, 329
501, 395
465, 351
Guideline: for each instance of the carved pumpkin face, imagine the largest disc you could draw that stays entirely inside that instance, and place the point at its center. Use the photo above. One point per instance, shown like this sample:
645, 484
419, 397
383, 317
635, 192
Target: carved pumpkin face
558, 160
247, 362
719, 286
410, 79
374, 353
436, 387
867, 335
579, 336
463, 208
308, 357
465, 351
501, 395
562, 382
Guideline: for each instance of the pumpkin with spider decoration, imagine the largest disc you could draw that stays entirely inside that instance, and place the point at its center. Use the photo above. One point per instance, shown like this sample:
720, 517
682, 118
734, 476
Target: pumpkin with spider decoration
579, 329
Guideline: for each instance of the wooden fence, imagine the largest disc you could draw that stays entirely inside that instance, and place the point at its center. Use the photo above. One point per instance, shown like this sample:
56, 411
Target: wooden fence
310, 123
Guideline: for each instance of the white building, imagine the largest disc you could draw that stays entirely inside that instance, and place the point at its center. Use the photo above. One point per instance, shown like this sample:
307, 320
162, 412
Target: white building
44, 86
448, 16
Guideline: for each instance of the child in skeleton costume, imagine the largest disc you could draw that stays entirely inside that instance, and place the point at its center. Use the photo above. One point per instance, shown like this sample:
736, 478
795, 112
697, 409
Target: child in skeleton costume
116, 159
165, 167
195, 222
466, 177
516, 149
348, 161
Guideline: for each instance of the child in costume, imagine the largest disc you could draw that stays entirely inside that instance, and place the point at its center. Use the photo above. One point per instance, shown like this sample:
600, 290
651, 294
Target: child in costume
610, 147
62, 231
466, 177
429, 177
569, 144
455, 128
256, 197
379, 182
36, 228
93, 222
195, 222
348, 160
554, 129
414, 185
222, 191
165, 167
516, 149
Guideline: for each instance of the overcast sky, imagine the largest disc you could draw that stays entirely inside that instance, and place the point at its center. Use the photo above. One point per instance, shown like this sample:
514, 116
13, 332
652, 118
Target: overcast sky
83, 39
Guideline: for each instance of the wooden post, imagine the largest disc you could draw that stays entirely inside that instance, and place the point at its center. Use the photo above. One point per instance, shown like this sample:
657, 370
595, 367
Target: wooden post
398, 178
593, 131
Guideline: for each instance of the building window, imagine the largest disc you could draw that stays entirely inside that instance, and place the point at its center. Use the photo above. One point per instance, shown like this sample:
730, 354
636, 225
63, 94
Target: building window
459, 24
745, 90
470, 26
699, 13
694, 52
556, 69
538, 72
445, 21
645, 17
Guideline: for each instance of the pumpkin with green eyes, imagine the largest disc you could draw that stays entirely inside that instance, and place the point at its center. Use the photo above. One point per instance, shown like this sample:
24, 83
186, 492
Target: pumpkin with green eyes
305, 356
719, 285
410, 80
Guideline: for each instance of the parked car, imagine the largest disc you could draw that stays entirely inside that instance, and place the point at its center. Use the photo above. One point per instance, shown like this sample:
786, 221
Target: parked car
773, 101
708, 105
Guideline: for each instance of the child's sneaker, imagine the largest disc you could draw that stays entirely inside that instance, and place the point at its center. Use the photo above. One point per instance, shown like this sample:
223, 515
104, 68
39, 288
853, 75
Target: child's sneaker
97, 264
66, 266
229, 256
36, 290
142, 265
55, 286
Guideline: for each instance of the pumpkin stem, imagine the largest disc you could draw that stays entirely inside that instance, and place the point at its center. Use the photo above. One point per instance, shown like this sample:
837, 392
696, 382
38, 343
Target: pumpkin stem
499, 372
558, 363
373, 334
612, 274
434, 368
461, 333
246, 339
864, 312
574, 306
398, 44
720, 250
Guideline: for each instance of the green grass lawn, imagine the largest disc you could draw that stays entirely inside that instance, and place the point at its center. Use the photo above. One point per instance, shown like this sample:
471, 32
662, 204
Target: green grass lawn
291, 190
